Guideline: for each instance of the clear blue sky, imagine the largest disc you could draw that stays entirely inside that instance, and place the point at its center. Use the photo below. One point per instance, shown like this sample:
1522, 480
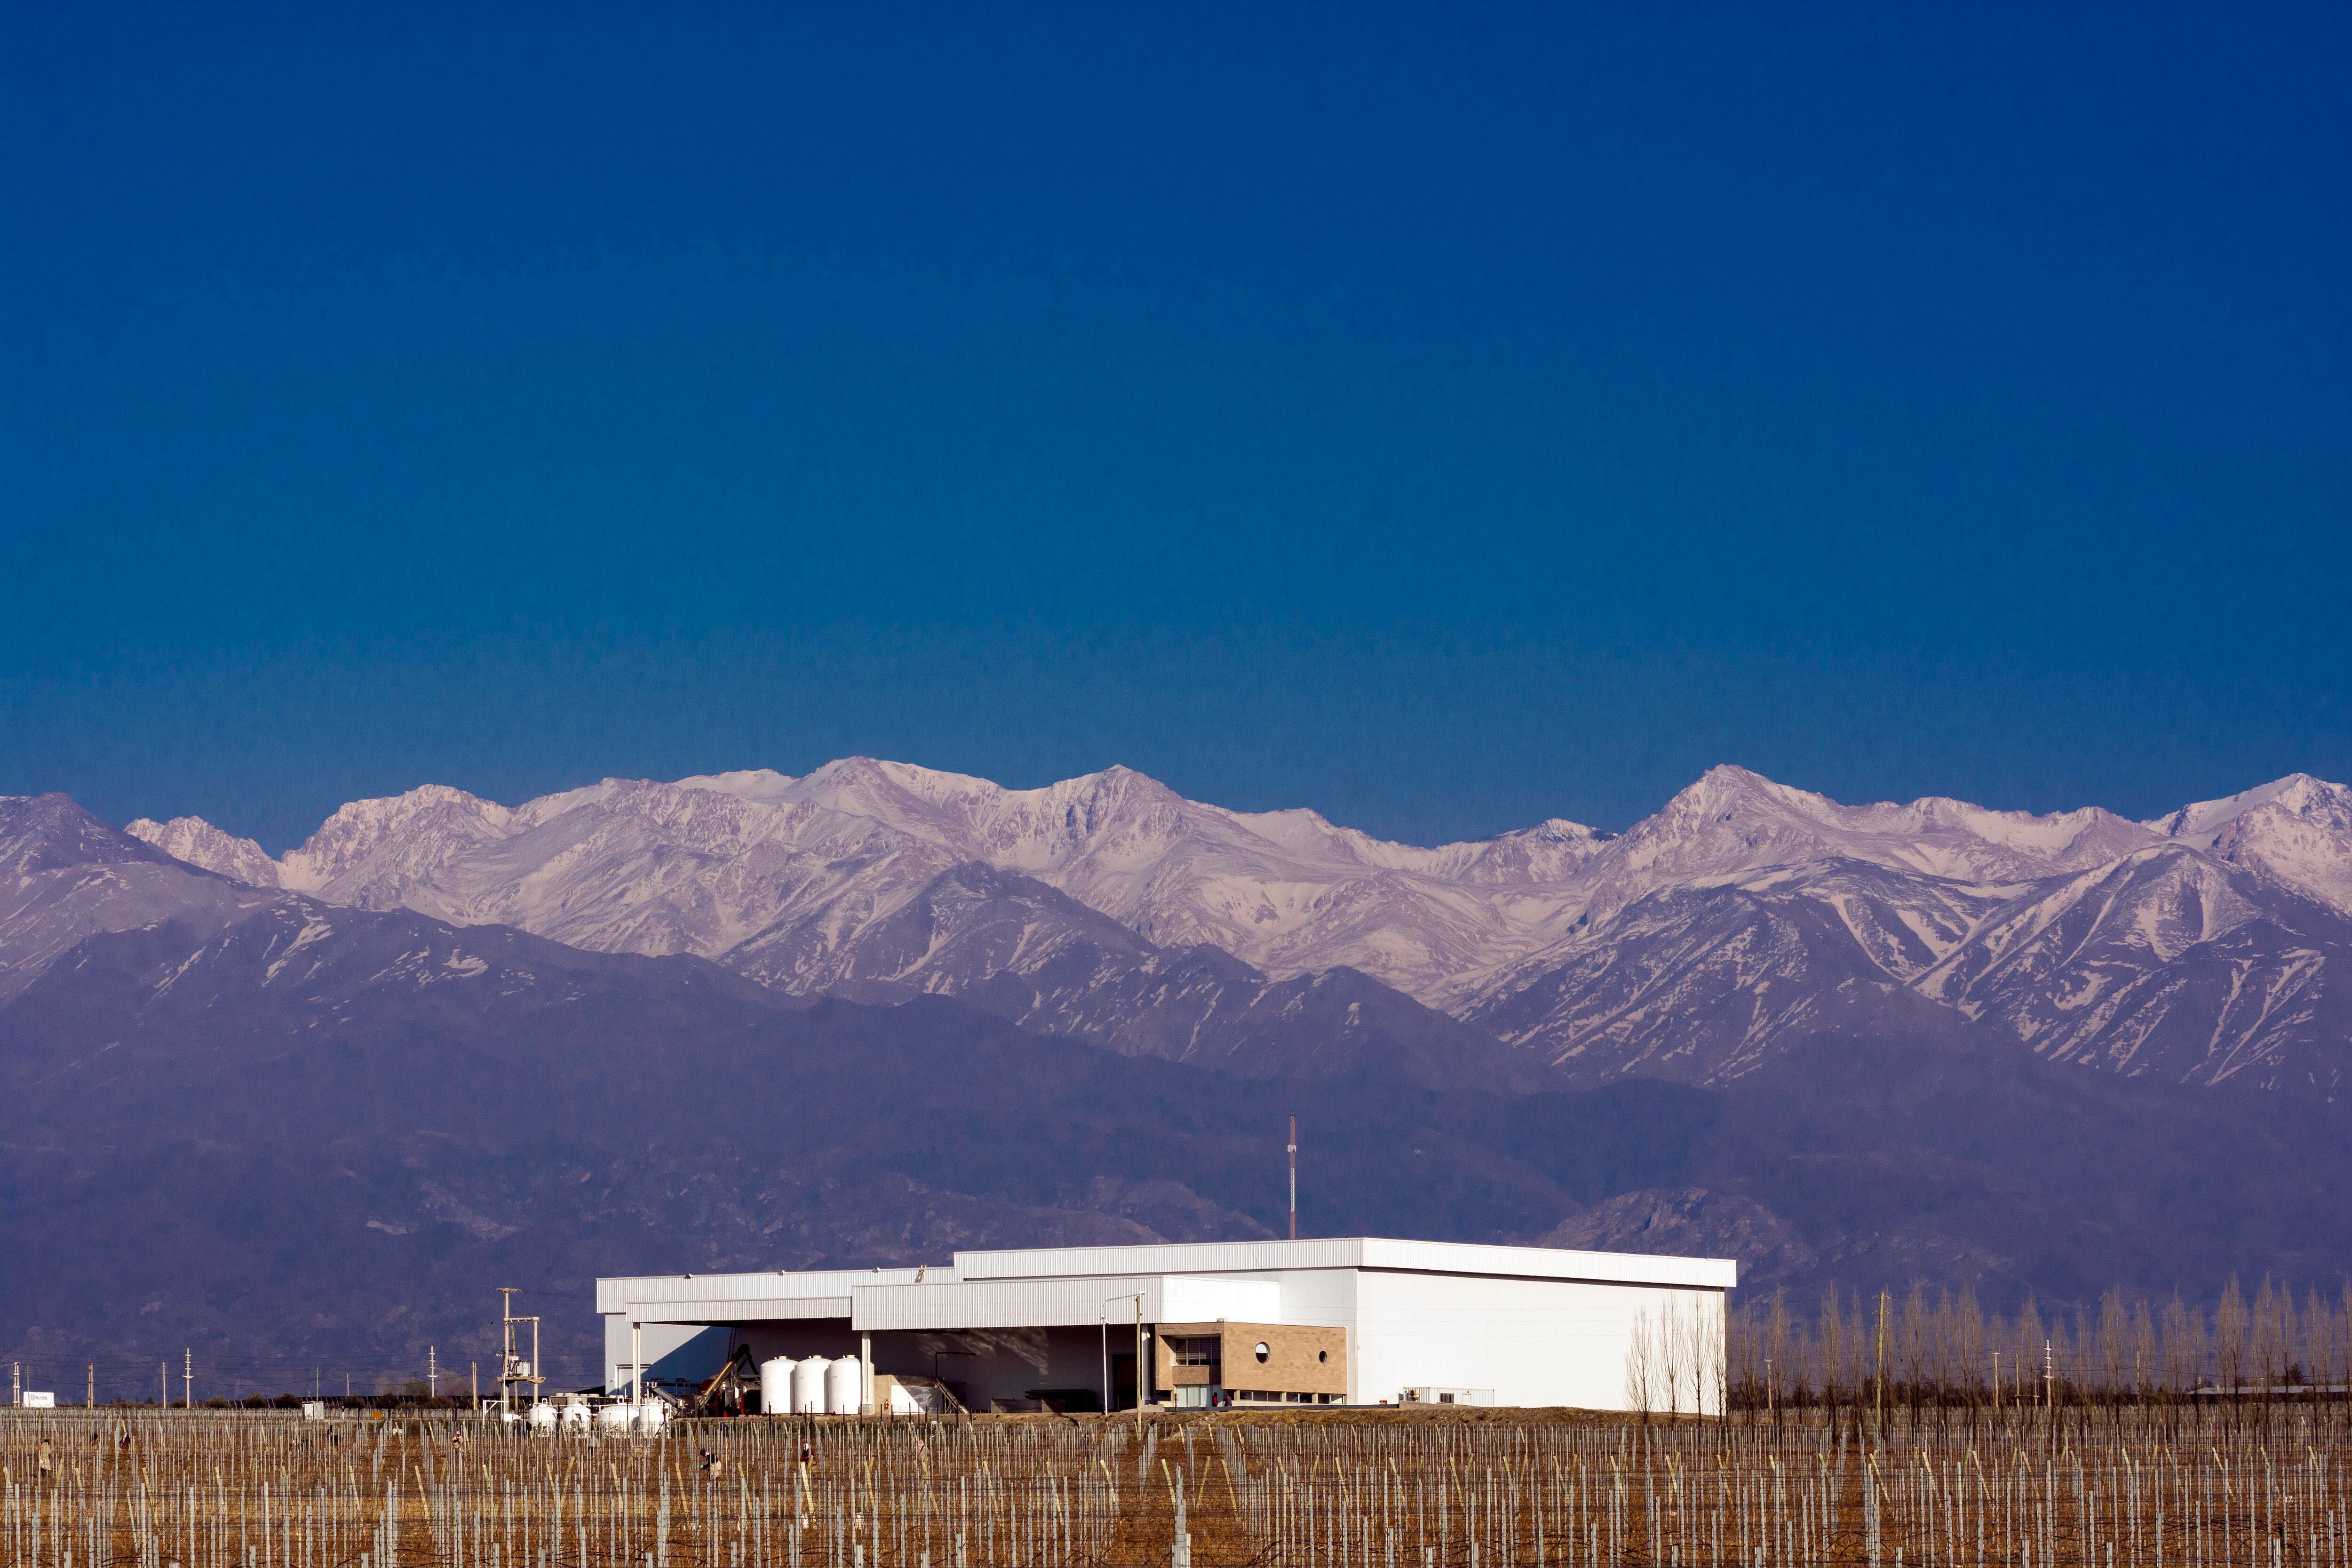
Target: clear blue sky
1442, 416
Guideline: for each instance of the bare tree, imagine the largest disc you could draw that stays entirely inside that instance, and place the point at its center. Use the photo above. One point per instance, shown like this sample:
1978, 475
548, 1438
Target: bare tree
1708, 1361
2114, 1342
2230, 1339
1641, 1372
1666, 1357
1832, 1339
2142, 1351
1969, 1353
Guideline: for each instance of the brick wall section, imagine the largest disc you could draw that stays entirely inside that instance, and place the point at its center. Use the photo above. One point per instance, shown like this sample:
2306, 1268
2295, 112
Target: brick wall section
1299, 1360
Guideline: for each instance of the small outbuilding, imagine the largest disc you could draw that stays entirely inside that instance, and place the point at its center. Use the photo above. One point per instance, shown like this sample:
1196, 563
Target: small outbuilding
1362, 1320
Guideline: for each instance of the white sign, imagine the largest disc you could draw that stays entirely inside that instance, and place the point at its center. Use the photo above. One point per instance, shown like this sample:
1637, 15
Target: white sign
39, 1401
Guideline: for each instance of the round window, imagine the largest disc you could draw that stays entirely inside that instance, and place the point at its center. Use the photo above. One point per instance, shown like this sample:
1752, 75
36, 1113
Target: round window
1263, 1351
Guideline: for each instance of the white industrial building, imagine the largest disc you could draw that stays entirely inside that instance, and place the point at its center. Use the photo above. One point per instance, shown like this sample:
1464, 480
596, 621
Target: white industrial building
1357, 1320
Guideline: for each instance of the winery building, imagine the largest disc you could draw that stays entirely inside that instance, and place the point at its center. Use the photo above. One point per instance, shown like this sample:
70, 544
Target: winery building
1359, 1320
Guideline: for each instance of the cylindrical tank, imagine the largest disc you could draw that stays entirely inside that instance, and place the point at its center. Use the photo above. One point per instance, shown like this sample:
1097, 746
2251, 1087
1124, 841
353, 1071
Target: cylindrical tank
841, 1388
615, 1417
776, 1387
651, 1415
808, 1386
577, 1414
542, 1415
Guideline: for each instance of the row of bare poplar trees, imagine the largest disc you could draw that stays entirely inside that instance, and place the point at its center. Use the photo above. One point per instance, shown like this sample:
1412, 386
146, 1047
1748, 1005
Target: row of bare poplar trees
1948, 1350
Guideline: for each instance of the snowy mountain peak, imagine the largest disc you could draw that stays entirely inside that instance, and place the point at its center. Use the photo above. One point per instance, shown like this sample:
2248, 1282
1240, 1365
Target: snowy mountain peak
199, 843
762, 784
2201, 822
2296, 831
1733, 820
390, 843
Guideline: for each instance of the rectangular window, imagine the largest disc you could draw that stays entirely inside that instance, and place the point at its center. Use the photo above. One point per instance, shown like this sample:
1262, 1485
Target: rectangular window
1194, 1350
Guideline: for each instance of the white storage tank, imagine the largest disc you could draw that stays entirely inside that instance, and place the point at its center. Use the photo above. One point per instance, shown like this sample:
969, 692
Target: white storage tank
577, 1414
808, 1386
615, 1417
776, 1387
841, 1388
543, 1414
651, 1415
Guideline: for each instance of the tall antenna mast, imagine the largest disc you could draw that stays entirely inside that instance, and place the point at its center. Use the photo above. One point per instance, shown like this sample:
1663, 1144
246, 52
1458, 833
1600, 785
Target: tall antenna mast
1294, 1176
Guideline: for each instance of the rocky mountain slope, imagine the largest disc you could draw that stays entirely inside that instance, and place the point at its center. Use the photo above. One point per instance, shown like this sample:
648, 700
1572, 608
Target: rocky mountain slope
65, 876
1743, 918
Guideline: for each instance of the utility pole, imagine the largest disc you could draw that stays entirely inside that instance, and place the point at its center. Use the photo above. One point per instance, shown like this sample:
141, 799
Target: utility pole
506, 1345
1142, 1371
16, 1382
1294, 1176
163, 1376
513, 1369
432, 1373
474, 1371
92, 1400
637, 1365
187, 1378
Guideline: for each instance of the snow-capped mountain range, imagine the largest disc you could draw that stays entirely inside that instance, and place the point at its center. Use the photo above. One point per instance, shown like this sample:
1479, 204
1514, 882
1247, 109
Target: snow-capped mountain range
2209, 945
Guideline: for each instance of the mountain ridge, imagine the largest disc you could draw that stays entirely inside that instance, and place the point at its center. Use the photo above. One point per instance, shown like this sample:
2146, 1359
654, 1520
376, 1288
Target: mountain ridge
1539, 936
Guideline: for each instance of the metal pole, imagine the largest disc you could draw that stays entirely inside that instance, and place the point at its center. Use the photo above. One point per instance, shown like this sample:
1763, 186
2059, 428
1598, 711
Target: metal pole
866, 1375
187, 1378
163, 1376
506, 1348
538, 1373
1142, 1369
1881, 1369
1102, 1321
637, 1364
1294, 1177
433, 1371
92, 1399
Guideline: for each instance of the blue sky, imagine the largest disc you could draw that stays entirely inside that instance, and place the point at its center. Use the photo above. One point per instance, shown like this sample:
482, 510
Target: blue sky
1442, 416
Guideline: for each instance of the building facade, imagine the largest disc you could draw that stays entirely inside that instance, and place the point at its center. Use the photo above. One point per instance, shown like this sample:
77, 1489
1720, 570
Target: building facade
1355, 1320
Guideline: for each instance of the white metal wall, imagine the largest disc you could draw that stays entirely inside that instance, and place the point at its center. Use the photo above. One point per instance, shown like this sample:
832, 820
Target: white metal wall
672, 1349
1533, 1342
